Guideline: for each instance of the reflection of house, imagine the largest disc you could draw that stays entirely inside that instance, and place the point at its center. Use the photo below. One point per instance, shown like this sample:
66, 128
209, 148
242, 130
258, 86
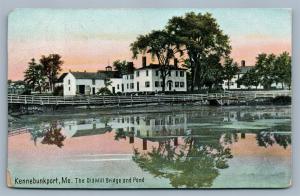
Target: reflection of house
152, 127
145, 79
85, 127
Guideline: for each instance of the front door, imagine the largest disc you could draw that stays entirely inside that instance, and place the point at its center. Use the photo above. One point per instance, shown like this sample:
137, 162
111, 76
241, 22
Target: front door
113, 90
81, 89
138, 86
170, 85
122, 87
94, 91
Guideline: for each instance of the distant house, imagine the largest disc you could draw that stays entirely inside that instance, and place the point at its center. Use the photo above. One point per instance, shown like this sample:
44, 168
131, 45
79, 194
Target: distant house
243, 69
144, 79
16, 87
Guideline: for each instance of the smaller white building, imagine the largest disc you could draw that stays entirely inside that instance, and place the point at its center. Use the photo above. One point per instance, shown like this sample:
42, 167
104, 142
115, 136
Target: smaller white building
82, 83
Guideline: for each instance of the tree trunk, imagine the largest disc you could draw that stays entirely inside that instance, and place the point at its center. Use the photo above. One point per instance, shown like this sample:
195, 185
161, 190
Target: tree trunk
228, 85
192, 79
163, 77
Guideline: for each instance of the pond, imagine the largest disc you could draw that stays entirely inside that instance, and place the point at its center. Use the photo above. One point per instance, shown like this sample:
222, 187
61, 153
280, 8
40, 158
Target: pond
169, 147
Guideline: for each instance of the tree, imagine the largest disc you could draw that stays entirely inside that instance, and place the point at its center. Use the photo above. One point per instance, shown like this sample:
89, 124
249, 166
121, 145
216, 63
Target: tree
214, 74
162, 46
282, 69
104, 91
230, 70
34, 77
265, 69
52, 66
121, 67
250, 78
200, 36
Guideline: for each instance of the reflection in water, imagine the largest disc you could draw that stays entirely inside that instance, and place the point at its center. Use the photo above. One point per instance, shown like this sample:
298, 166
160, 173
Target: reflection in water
194, 165
190, 149
50, 135
266, 139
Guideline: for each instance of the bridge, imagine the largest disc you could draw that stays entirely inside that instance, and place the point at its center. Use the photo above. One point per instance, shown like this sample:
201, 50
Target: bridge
221, 98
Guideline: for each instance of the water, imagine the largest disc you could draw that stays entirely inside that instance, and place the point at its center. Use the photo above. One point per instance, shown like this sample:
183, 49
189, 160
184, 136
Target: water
182, 147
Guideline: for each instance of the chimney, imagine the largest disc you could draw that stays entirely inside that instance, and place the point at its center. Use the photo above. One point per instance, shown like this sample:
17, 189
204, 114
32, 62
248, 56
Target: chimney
175, 62
243, 63
144, 62
130, 67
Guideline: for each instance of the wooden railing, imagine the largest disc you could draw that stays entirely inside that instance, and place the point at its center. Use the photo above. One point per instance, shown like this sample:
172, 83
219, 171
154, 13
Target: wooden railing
135, 99
18, 131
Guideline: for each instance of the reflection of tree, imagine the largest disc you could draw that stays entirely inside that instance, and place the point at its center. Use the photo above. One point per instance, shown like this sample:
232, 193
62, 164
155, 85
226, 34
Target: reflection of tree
120, 134
196, 164
267, 139
53, 136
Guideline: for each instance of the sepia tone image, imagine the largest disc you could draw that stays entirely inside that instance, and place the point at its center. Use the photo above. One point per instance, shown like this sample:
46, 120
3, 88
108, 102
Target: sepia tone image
149, 98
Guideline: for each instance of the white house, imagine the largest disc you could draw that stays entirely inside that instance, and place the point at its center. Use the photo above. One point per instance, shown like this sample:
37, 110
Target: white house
141, 80
243, 69
83, 83
148, 79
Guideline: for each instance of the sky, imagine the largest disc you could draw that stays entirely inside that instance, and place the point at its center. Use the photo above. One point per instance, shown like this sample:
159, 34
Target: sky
90, 39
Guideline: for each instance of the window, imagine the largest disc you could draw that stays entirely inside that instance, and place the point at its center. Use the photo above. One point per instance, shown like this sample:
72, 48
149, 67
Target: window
126, 77
118, 86
69, 88
147, 72
176, 73
169, 73
181, 74
147, 84
127, 86
156, 73
137, 73
93, 81
181, 84
156, 83
69, 81
131, 76
132, 85
176, 84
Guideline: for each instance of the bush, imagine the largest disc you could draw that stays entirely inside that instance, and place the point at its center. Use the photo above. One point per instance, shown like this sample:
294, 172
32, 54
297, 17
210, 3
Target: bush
104, 91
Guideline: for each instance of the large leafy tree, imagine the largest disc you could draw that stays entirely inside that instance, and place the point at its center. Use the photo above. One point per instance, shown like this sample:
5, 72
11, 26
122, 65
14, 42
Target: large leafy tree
265, 68
230, 70
214, 76
52, 66
34, 77
200, 36
282, 69
161, 46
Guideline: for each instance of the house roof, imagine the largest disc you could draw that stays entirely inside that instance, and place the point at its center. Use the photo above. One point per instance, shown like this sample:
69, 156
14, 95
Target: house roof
87, 132
245, 69
89, 75
61, 78
157, 66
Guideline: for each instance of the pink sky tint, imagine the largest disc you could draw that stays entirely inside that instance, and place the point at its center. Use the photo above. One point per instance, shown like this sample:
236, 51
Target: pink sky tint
248, 47
93, 54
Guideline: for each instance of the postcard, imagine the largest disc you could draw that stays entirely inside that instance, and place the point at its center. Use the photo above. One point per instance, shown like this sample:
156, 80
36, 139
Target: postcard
149, 98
